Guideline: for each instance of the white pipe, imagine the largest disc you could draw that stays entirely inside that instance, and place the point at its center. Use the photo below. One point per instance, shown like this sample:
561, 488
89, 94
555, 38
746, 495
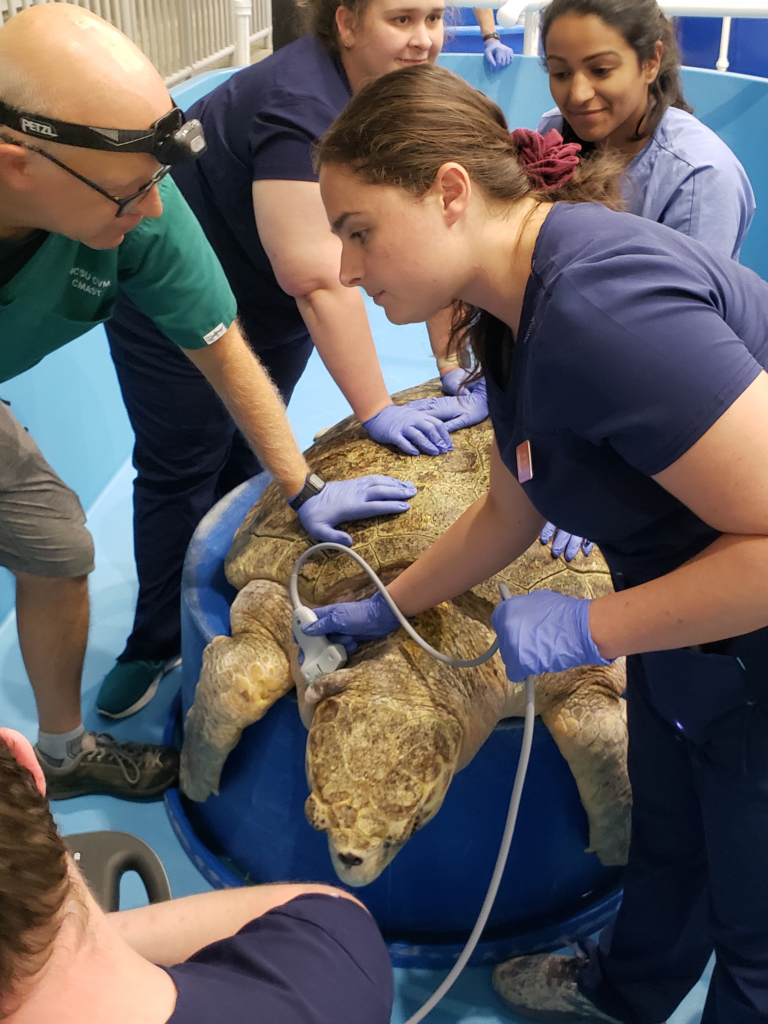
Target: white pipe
713, 9
126, 16
682, 8
531, 34
725, 38
243, 12
198, 66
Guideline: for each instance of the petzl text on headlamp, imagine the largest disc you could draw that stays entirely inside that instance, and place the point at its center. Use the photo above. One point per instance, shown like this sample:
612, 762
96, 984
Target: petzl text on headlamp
170, 140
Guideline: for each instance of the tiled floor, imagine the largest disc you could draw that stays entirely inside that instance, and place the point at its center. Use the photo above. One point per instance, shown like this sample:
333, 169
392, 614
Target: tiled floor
405, 358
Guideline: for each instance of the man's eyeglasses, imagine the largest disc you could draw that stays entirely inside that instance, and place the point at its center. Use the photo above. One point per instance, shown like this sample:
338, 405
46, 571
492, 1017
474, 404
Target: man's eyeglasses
123, 205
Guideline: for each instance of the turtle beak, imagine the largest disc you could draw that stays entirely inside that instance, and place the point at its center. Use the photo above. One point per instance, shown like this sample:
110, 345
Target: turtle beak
358, 871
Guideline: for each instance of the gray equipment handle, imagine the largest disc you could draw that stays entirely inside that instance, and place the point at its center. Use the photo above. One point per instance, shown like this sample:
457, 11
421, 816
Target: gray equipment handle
104, 857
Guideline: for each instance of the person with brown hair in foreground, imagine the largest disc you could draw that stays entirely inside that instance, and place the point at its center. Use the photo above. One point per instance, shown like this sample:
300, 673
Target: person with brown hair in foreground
287, 954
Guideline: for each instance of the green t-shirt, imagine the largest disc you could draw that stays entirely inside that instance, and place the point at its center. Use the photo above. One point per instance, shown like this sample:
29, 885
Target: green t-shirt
166, 266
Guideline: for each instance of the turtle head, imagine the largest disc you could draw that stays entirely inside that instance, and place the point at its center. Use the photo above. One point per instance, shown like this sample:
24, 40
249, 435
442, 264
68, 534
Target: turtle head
378, 772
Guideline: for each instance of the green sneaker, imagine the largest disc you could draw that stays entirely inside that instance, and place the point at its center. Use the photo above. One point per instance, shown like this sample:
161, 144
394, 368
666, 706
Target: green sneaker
130, 771
131, 685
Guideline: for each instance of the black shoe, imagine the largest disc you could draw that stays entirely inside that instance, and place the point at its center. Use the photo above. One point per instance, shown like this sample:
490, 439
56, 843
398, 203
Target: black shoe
130, 771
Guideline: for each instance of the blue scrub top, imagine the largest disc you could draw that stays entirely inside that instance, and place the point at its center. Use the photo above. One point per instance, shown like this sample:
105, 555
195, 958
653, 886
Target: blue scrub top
260, 124
687, 178
633, 341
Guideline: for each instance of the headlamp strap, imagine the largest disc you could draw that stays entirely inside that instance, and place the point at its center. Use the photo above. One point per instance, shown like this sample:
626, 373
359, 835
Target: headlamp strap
121, 140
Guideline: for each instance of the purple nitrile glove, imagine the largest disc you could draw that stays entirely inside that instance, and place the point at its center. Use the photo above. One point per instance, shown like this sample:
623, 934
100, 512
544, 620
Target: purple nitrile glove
344, 500
562, 541
411, 430
348, 623
464, 410
497, 54
352, 622
468, 407
544, 632
452, 381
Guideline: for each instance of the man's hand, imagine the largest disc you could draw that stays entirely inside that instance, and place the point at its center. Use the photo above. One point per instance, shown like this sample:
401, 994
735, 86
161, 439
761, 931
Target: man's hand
346, 500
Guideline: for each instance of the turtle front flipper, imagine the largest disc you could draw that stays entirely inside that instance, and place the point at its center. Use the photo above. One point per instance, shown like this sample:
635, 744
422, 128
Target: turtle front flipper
588, 721
241, 678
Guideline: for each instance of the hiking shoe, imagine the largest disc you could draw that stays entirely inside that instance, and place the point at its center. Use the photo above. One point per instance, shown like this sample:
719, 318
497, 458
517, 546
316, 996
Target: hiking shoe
544, 988
131, 685
130, 771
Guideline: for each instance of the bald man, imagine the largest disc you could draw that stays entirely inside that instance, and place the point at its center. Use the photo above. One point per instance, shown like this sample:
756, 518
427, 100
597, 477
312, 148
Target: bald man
84, 212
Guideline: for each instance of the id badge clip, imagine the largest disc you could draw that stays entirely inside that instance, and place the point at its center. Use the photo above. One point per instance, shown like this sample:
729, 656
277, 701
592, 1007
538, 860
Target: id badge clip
524, 462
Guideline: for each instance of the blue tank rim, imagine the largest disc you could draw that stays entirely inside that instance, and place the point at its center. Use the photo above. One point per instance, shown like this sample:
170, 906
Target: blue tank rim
405, 951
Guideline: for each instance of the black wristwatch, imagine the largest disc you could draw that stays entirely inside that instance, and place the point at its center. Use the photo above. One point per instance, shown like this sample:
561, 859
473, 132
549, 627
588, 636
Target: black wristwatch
312, 486
491, 35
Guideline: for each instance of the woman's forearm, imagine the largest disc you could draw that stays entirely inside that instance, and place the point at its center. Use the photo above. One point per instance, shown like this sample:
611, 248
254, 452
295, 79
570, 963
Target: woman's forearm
723, 592
338, 324
171, 932
484, 540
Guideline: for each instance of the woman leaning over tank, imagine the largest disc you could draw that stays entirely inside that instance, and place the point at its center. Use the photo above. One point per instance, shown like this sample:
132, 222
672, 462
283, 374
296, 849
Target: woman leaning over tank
614, 72
256, 195
625, 368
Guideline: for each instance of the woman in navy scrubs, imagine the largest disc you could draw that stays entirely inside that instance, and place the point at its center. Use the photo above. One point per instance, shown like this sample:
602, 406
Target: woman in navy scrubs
614, 72
256, 195
625, 367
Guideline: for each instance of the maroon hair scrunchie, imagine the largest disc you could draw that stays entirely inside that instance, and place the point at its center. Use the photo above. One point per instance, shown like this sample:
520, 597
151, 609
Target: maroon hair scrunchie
546, 159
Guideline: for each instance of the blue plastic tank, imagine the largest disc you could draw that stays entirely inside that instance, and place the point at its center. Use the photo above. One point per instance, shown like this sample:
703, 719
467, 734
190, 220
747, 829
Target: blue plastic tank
427, 900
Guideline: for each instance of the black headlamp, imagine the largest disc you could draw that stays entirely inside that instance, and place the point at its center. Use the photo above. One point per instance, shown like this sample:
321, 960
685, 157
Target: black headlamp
170, 140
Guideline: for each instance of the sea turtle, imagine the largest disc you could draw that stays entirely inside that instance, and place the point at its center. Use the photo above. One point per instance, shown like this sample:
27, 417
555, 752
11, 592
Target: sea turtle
381, 755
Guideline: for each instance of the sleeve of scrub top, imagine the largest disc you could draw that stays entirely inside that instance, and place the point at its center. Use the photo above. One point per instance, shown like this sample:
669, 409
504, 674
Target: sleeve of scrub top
714, 204
669, 364
168, 268
551, 119
283, 133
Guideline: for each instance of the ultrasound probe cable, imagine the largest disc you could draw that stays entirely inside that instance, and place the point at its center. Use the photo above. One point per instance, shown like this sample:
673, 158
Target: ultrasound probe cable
324, 657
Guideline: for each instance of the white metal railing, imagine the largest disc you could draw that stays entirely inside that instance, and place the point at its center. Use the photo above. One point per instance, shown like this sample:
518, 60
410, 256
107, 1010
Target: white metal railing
180, 37
510, 12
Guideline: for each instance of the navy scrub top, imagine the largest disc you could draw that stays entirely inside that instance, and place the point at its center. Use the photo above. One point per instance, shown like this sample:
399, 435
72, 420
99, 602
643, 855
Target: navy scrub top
633, 340
260, 124
315, 960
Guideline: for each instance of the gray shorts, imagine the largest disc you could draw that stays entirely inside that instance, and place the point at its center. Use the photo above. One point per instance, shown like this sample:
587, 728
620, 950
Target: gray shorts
42, 523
